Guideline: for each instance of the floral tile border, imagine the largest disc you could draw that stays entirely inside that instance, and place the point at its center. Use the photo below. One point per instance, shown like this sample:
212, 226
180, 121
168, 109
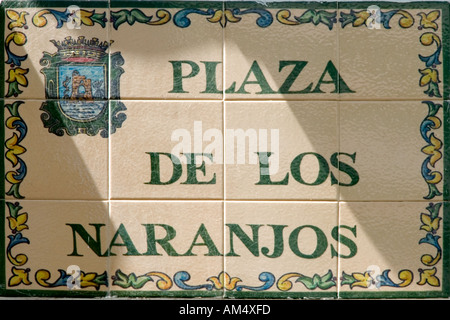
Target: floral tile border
14, 220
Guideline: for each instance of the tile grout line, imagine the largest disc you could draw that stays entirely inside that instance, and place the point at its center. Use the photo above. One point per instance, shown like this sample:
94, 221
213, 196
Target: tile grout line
338, 120
224, 190
108, 35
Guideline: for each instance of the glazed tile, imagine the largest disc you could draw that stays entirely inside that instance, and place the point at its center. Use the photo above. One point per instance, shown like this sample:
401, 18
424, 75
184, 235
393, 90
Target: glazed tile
395, 150
281, 150
271, 51
393, 51
49, 155
168, 150
281, 249
168, 249
399, 249
49, 251
180, 43
224, 149
44, 46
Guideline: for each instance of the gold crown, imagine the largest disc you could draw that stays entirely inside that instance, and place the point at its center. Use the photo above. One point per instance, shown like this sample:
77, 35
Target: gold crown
81, 49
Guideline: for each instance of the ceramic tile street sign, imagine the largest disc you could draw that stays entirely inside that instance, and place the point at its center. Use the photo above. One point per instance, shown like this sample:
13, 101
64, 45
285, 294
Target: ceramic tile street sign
225, 149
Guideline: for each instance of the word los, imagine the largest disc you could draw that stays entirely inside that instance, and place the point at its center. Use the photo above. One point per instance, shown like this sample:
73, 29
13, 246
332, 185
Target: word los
193, 166
202, 241
255, 72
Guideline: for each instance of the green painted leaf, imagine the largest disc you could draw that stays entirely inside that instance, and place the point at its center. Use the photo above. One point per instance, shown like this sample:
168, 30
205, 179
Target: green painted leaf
347, 18
13, 89
128, 16
14, 191
14, 209
322, 282
307, 282
433, 108
347, 279
433, 191
434, 209
124, 281
99, 18
306, 17
139, 16
433, 90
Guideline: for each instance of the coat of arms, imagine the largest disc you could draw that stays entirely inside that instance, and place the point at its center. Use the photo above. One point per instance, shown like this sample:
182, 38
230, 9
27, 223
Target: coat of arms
80, 79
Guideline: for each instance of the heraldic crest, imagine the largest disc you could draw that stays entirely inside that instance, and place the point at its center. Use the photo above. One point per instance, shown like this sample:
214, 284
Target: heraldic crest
80, 79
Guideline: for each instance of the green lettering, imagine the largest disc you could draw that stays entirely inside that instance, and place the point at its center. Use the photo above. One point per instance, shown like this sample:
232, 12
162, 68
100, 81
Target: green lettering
287, 84
177, 67
345, 241
260, 80
94, 245
207, 241
353, 174
339, 85
321, 244
251, 244
126, 242
192, 168
264, 177
155, 169
324, 169
210, 69
164, 242
278, 243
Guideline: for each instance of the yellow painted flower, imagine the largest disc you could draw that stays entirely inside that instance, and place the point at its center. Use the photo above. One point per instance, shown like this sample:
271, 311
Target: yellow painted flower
17, 19
86, 280
429, 260
224, 281
283, 17
18, 75
164, 283
164, 17
19, 223
433, 149
428, 20
362, 280
19, 38
20, 276
430, 225
14, 149
428, 75
406, 20
85, 17
223, 17
428, 276
362, 17
284, 284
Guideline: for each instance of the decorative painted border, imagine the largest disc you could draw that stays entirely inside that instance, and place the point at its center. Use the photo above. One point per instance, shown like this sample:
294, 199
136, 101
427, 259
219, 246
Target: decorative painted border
16, 81
430, 221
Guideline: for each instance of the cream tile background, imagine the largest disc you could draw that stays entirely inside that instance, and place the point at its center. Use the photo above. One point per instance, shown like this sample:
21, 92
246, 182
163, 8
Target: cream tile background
39, 43
185, 218
149, 127
387, 240
59, 167
247, 267
387, 141
51, 239
245, 42
364, 65
292, 128
162, 44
